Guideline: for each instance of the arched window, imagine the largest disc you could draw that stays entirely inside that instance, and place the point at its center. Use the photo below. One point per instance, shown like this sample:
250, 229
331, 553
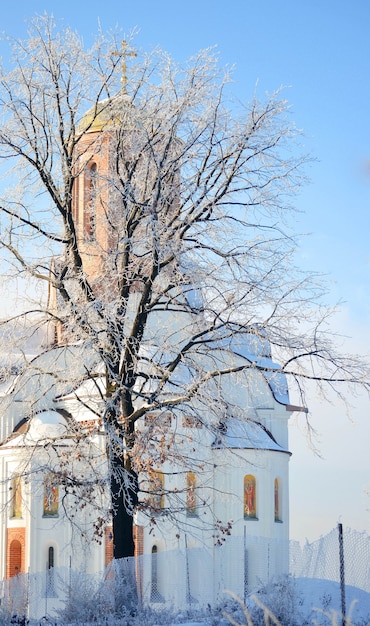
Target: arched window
154, 586
16, 504
50, 580
191, 498
15, 558
50, 557
51, 497
157, 491
155, 595
277, 500
91, 188
250, 497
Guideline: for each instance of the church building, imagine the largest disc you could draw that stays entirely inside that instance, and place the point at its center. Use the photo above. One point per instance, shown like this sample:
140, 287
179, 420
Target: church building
219, 523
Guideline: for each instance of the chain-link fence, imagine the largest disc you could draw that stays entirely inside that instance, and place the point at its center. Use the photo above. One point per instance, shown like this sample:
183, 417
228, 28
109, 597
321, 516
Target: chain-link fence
191, 577
321, 559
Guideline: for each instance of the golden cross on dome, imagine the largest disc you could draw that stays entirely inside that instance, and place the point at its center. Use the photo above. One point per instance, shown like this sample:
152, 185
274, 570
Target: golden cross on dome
126, 52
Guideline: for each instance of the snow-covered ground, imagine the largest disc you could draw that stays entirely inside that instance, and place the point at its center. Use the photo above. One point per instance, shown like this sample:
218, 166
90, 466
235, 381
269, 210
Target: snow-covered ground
318, 603
320, 596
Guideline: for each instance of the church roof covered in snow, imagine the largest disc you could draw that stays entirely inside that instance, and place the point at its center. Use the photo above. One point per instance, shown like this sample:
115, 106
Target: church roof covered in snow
51, 375
246, 434
254, 346
42, 428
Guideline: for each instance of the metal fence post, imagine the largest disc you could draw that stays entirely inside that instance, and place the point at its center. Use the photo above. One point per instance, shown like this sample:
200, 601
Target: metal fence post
341, 570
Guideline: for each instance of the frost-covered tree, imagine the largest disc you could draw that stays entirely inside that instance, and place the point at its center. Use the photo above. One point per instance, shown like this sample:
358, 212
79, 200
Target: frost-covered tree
136, 198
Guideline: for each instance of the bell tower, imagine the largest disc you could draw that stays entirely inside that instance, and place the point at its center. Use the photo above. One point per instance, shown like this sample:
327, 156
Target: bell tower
125, 196
92, 198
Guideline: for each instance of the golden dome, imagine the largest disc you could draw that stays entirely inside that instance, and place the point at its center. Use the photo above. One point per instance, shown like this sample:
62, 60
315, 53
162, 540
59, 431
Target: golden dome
110, 113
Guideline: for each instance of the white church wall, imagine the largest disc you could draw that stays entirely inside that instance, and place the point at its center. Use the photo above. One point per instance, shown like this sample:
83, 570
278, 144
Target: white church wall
217, 546
243, 551
42, 531
258, 531
254, 550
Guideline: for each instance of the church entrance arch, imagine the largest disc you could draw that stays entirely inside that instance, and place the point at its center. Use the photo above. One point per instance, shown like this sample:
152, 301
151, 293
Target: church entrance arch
15, 554
15, 558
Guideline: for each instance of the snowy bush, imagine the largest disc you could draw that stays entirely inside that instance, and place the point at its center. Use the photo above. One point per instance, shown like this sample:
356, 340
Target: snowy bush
281, 601
8, 615
278, 603
5, 615
87, 600
285, 603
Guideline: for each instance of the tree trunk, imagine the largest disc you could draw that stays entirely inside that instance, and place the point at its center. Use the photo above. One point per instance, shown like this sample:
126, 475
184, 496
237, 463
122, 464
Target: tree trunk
124, 501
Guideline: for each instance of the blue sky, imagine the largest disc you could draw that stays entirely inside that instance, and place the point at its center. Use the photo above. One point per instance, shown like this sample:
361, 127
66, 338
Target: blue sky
320, 51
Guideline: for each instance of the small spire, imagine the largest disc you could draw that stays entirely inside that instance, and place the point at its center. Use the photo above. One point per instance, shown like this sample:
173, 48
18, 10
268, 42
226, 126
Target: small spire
127, 51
